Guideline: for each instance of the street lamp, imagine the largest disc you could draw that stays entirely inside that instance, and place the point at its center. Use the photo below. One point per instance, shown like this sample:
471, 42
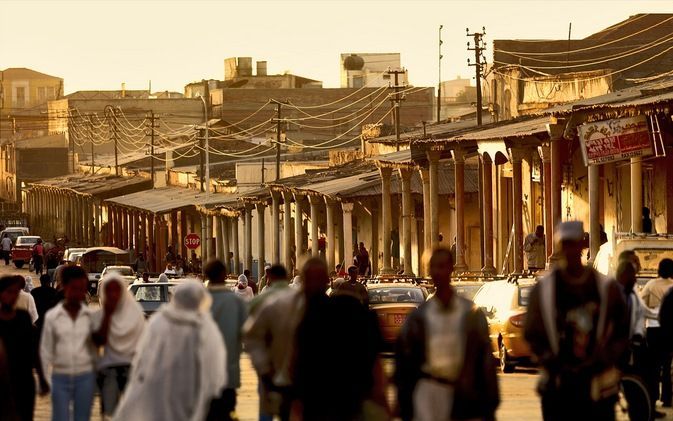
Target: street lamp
208, 228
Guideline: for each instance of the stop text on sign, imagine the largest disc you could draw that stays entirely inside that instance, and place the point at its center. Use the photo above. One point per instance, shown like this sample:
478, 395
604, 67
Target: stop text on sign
192, 241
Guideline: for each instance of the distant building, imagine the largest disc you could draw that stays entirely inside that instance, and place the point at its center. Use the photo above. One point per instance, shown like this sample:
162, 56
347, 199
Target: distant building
531, 75
458, 99
370, 69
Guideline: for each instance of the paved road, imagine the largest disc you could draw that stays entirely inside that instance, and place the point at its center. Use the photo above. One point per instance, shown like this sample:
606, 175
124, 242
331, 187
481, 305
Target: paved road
519, 400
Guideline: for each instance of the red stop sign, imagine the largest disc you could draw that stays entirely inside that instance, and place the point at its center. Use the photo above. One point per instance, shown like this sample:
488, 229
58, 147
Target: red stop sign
192, 241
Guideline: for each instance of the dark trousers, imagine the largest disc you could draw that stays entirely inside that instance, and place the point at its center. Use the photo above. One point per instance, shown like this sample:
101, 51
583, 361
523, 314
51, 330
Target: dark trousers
556, 407
6, 254
660, 366
224, 407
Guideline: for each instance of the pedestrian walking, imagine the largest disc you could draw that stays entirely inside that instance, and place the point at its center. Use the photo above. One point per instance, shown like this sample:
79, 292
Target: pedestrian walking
119, 323
268, 338
351, 287
29, 284
276, 281
444, 360
534, 247
179, 365
229, 313
578, 329
17, 334
660, 359
242, 289
45, 297
6, 247
342, 388
38, 257
67, 348
363, 263
26, 301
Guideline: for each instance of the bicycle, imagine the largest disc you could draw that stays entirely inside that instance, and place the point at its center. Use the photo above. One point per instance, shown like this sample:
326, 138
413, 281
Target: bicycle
634, 399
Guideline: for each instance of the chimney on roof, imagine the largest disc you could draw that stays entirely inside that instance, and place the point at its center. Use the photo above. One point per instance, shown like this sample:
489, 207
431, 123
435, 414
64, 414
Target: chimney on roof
261, 68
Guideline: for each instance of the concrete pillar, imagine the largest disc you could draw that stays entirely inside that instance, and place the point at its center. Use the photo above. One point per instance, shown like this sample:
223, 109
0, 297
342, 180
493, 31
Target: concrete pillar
298, 227
226, 234
459, 168
386, 211
151, 243
374, 245
275, 227
260, 239
427, 219
183, 233
594, 211
331, 234
204, 239
487, 232
287, 231
407, 220
545, 155
348, 232
556, 181
516, 157
433, 175
636, 194
143, 235
109, 241
235, 243
315, 202
248, 237
218, 238
174, 232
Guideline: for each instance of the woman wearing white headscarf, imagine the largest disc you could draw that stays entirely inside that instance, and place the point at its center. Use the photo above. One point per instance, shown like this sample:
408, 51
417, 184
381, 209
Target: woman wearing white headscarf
29, 284
121, 325
243, 290
180, 362
296, 282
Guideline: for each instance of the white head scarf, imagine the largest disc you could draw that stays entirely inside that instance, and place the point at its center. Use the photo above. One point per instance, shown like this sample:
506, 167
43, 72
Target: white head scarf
296, 282
163, 278
29, 284
160, 357
243, 280
127, 321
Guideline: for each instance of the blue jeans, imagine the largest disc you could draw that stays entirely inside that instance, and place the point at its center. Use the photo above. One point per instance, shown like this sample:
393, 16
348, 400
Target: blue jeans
76, 390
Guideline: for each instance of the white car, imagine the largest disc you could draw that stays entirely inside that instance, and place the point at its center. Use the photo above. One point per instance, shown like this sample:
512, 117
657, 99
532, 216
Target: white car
14, 232
71, 254
126, 272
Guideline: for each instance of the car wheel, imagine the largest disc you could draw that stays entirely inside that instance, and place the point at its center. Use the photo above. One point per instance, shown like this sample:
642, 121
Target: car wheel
18, 264
506, 365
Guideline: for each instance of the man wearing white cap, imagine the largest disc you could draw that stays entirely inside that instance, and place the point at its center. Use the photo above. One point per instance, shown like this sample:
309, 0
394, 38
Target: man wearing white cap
577, 327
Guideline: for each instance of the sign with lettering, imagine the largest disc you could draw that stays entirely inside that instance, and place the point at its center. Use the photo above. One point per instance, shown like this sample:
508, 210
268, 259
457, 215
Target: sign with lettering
615, 140
192, 241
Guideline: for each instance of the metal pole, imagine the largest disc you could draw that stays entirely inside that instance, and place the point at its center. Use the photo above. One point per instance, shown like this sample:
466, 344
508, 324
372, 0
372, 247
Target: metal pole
278, 105
439, 77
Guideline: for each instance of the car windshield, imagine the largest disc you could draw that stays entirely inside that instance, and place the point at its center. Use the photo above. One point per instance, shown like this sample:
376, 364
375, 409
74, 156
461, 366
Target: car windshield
387, 295
524, 295
145, 293
123, 271
650, 258
27, 241
466, 291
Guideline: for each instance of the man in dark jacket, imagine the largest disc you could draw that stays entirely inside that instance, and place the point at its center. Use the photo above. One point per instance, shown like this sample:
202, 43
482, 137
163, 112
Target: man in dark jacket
444, 360
577, 327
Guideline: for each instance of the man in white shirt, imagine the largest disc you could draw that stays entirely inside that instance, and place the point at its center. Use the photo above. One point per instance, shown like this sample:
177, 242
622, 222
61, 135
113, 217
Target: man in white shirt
534, 246
6, 248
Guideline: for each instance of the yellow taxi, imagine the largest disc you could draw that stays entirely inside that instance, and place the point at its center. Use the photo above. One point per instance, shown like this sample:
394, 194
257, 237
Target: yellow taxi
505, 303
392, 303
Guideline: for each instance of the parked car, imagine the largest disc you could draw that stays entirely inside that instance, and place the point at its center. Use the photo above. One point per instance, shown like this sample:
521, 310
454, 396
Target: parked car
392, 303
22, 252
467, 289
152, 295
14, 232
127, 273
505, 303
650, 249
95, 259
72, 253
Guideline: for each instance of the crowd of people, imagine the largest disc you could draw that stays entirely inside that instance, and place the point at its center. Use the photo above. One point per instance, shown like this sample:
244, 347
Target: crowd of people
318, 356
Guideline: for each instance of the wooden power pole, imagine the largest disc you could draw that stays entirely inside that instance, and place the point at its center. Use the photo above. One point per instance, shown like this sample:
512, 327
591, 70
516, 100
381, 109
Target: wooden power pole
479, 61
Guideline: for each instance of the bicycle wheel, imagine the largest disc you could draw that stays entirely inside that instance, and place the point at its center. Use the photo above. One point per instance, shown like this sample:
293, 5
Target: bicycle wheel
636, 398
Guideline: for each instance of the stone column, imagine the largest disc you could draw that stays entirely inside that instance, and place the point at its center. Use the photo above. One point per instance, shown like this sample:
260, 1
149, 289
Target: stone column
314, 201
545, 155
487, 168
348, 232
459, 167
556, 135
226, 234
287, 230
433, 175
407, 220
260, 239
516, 157
235, 243
248, 237
386, 175
298, 227
427, 219
374, 247
144, 237
594, 214
150, 239
204, 239
275, 227
183, 233
636, 194
331, 234
218, 238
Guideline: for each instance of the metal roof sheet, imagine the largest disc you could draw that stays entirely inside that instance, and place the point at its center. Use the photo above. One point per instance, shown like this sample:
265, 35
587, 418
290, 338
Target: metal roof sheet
100, 186
433, 131
502, 130
167, 199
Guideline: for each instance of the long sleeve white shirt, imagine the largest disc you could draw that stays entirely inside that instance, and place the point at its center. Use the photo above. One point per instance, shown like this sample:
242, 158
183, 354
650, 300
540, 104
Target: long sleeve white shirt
27, 302
66, 346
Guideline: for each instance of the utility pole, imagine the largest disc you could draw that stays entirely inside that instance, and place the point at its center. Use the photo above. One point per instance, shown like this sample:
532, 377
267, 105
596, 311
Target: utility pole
152, 125
111, 115
480, 61
396, 103
278, 120
201, 159
439, 77
71, 140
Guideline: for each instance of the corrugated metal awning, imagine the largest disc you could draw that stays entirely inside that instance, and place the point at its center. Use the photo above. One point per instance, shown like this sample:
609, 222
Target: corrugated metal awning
168, 199
99, 186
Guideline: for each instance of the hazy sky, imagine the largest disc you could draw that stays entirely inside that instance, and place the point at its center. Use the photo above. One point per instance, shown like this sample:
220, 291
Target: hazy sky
100, 44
